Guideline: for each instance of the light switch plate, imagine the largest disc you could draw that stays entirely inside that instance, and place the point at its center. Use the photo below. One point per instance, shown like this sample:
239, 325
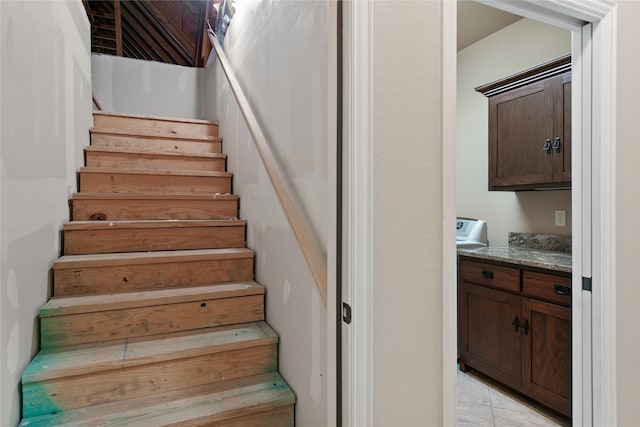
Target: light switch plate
561, 218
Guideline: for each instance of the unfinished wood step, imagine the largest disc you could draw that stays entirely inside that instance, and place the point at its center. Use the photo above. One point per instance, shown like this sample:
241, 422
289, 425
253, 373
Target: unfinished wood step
135, 159
114, 180
100, 237
113, 207
85, 375
256, 401
95, 318
154, 141
138, 271
167, 125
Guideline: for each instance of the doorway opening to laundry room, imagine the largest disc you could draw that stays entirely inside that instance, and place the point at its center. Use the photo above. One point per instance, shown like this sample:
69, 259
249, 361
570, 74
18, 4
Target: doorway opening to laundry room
527, 323
513, 100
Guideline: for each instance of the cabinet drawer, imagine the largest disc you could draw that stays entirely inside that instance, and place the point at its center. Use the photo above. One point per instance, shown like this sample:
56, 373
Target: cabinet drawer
547, 286
491, 275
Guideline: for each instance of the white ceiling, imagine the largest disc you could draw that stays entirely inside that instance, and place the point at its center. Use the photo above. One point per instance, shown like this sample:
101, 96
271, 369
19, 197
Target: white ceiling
476, 21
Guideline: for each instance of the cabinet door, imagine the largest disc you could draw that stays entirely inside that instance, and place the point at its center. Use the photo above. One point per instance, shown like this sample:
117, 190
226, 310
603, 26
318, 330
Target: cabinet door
562, 129
520, 122
489, 339
547, 354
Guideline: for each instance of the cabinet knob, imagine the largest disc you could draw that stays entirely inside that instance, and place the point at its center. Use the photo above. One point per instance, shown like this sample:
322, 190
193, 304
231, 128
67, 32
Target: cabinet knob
556, 144
547, 146
525, 327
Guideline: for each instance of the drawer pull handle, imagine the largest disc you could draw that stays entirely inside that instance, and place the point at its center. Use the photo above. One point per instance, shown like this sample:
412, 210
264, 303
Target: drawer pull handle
515, 324
562, 289
486, 274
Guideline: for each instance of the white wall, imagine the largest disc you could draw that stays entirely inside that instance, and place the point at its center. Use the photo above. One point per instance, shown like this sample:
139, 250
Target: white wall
627, 196
125, 85
281, 54
517, 47
45, 115
407, 213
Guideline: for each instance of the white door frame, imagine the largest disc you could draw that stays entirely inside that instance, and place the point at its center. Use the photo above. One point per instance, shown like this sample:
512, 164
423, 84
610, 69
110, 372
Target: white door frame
592, 199
357, 363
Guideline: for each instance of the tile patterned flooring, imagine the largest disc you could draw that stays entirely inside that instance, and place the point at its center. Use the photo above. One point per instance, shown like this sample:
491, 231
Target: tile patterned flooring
482, 403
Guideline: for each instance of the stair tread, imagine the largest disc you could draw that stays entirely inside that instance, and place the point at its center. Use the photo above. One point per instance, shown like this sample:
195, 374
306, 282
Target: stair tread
147, 196
155, 223
207, 404
161, 172
129, 258
158, 134
156, 152
93, 303
82, 359
159, 118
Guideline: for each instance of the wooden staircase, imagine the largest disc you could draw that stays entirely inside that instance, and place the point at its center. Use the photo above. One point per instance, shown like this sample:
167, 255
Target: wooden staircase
155, 318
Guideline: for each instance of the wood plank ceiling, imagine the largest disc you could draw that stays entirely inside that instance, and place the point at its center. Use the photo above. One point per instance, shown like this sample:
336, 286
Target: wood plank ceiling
167, 31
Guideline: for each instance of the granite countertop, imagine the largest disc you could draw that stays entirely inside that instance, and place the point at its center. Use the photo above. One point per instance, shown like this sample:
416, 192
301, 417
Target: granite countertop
550, 260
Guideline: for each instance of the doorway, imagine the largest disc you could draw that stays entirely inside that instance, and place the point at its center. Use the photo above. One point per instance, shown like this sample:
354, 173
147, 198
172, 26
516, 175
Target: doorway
488, 54
592, 47
589, 266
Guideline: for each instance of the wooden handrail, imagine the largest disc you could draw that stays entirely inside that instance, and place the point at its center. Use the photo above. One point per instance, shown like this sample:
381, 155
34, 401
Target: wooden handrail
305, 237
96, 104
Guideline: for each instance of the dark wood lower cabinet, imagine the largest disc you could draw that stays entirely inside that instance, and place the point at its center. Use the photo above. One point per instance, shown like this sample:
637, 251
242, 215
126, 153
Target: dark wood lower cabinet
490, 343
547, 354
512, 336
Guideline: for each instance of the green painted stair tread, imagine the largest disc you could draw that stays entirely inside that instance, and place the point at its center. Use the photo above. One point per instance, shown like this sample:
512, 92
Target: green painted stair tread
93, 303
82, 359
103, 170
158, 257
157, 223
196, 406
132, 151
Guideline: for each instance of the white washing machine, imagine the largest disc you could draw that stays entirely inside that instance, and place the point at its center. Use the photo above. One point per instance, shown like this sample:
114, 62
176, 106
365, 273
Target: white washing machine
471, 233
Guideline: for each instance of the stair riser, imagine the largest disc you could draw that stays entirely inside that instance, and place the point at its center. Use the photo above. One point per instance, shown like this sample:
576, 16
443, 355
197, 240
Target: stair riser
96, 182
156, 125
151, 209
154, 162
140, 143
118, 384
280, 417
138, 277
78, 242
146, 321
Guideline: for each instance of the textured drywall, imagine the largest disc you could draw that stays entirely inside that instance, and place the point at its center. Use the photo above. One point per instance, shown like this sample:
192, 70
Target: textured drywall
45, 116
407, 213
627, 202
133, 86
519, 46
280, 52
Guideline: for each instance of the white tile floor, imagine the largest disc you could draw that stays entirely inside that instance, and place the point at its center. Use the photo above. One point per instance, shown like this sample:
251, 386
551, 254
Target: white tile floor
483, 403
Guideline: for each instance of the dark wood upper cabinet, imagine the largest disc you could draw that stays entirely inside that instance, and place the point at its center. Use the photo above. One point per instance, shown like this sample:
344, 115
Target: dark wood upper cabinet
530, 128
